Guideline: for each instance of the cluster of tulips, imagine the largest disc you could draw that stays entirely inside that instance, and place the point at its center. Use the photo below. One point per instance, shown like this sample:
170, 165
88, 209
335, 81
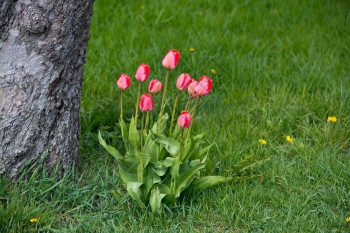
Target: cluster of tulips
184, 82
158, 165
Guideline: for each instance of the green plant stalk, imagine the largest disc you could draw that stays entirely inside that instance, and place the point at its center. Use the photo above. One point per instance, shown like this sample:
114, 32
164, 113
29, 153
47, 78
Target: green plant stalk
193, 115
163, 100
188, 102
137, 101
141, 149
150, 118
180, 152
173, 113
121, 104
181, 136
142, 128
147, 121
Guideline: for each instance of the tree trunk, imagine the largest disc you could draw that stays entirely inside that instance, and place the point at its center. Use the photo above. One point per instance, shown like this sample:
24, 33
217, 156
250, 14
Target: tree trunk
42, 52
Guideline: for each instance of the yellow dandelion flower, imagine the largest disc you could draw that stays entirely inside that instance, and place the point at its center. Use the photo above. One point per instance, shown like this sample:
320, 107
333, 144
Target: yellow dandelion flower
347, 219
289, 138
191, 50
262, 141
332, 119
142, 7
213, 71
33, 220
275, 11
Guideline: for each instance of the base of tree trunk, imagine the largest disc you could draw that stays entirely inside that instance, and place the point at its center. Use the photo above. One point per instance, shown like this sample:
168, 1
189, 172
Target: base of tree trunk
42, 52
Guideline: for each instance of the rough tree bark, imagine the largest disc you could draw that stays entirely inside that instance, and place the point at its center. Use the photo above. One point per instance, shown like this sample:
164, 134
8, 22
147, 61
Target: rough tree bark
42, 52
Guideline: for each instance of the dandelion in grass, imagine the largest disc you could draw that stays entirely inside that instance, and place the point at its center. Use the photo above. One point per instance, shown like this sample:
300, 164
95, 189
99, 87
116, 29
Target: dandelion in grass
191, 50
347, 219
213, 71
142, 7
289, 138
332, 119
33, 220
262, 141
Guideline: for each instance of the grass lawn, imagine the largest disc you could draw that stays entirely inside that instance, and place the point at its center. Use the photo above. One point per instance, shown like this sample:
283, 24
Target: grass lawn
282, 67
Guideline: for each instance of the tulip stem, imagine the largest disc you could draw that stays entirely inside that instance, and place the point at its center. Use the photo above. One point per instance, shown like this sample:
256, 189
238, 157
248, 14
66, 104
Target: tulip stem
140, 175
188, 102
181, 136
173, 185
193, 115
121, 104
141, 136
137, 101
163, 101
173, 113
147, 119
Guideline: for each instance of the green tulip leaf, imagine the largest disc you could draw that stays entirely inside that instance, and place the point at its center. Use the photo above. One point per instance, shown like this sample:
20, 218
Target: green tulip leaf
156, 201
176, 133
163, 126
187, 151
128, 169
247, 163
175, 167
169, 198
150, 149
126, 176
125, 134
195, 152
208, 166
208, 181
158, 169
140, 173
135, 192
205, 150
110, 149
185, 178
171, 145
133, 134
199, 137
150, 179
163, 188
167, 162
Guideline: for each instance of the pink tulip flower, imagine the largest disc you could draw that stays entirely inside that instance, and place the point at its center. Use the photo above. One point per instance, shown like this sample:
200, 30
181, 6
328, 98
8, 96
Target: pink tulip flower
204, 86
142, 72
123, 81
191, 88
146, 103
184, 120
155, 86
171, 59
183, 81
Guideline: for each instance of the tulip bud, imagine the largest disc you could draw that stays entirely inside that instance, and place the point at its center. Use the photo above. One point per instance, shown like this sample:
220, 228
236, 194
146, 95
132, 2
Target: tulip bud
171, 59
184, 120
146, 103
204, 86
123, 81
191, 88
142, 72
183, 81
155, 86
